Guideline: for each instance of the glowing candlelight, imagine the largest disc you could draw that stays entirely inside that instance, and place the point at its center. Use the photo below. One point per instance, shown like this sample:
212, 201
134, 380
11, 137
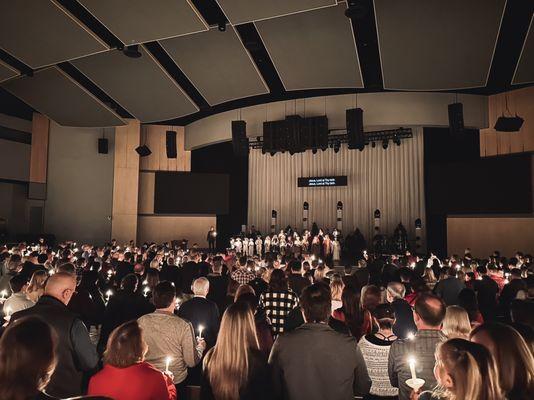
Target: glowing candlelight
110, 272
9, 311
410, 336
3, 294
167, 364
412, 265
109, 293
145, 282
50, 272
145, 291
200, 329
411, 361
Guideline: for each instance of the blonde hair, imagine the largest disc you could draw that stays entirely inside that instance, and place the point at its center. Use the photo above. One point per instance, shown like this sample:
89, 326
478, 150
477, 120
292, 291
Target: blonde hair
336, 288
472, 369
456, 323
429, 276
227, 363
36, 286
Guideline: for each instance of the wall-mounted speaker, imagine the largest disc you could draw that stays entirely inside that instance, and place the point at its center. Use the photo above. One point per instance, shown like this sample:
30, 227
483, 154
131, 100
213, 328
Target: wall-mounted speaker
143, 151
171, 144
355, 134
456, 118
239, 138
102, 146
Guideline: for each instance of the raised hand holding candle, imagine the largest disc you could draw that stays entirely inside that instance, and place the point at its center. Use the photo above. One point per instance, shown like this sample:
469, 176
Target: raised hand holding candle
167, 364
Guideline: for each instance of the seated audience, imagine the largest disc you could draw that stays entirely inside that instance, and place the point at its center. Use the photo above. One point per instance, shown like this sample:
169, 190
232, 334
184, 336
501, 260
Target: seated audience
513, 356
428, 316
168, 335
126, 375
456, 323
375, 349
235, 368
278, 301
76, 354
314, 362
27, 359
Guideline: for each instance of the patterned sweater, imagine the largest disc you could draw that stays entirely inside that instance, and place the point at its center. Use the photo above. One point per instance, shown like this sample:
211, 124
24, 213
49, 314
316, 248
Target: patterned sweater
375, 353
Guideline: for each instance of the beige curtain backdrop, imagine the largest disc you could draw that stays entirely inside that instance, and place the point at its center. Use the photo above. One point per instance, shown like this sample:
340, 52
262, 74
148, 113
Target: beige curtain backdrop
391, 180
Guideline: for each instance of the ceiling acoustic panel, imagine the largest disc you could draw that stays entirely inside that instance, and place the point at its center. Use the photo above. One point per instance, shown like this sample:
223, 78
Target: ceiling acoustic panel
217, 64
313, 49
436, 44
242, 11
140, 85
41, 33
56, 95
6, 72
524, 72
140, 21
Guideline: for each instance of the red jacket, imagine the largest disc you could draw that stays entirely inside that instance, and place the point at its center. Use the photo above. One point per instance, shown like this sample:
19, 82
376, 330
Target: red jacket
137, 382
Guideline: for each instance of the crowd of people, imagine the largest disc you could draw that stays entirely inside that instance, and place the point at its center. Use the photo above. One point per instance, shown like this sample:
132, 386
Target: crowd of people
159, 322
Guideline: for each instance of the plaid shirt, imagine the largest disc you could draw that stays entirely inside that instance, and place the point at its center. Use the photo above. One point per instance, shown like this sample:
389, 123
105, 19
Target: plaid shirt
277, 305
243, 276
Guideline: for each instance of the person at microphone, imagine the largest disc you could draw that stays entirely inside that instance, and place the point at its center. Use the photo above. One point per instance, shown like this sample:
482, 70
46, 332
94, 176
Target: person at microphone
210, 237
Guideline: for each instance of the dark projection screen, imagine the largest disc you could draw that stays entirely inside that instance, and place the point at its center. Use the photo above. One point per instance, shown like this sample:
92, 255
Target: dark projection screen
191, 193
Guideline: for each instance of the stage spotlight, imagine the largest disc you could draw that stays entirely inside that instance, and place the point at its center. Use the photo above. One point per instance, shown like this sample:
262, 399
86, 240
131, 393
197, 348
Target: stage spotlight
314, 151
373, 144
396, 140
385, 144
132, 51
273, 153
222, 26
337, 146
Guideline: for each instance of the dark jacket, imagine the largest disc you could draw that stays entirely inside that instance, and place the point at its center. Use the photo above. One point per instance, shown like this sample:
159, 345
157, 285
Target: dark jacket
314, 362
201, 311
122, 269
258, 386
449, 289
218, 289
297, 283
404, 323
75, 352
487, 290
173, 274
190, 272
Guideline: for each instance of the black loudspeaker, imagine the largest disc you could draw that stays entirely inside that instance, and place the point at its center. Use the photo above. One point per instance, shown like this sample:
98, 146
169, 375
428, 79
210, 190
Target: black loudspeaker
171, 144
456, 118
508, 124
102, 146
355, 133
143, 151
239, 138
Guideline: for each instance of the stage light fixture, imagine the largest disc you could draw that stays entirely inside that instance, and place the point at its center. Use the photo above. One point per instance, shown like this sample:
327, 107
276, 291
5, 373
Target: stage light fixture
314, 151
396, 140
222, 26
385, 144
373, 144
337, 146
132, 51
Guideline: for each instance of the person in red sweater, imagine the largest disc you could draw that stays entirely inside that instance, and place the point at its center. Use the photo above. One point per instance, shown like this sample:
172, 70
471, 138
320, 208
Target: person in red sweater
126, 375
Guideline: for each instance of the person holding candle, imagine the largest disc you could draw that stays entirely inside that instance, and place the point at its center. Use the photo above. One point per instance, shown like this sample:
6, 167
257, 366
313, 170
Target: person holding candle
428, 316
171, 340
126, 375
464, 371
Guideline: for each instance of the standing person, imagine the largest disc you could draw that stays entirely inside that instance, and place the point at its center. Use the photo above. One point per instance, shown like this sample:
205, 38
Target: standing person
296, 281
36, 286
218, 284
464, 370
404, 325
456, 323
211, 237
278, 301
242, 275
26, 364
18, 300
168, 335
314, 362
235, 368
487, 291
190, 272
76, 354
126, 375
350, 312
375, 349
513, 356
449, 288
428, 315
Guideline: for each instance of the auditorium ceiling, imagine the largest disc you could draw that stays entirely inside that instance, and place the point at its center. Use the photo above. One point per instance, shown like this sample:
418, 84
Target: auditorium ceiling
96, 63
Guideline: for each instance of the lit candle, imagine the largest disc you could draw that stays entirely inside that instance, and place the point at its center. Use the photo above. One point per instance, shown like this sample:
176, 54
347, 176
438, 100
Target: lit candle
411, 361
145, 282
200, 329
3, 293
50, 272
109, 293
167, 364
9, 311
410, 336
412, 265
110, 272
145, 291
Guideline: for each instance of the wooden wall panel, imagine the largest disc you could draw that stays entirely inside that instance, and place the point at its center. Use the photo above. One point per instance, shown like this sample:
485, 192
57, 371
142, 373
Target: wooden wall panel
154, 136
126, 182
485, 234
520, 102
166, 228
146, 192
39, 148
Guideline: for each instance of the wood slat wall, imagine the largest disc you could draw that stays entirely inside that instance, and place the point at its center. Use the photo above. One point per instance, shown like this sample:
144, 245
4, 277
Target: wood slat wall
520, 102
39, 148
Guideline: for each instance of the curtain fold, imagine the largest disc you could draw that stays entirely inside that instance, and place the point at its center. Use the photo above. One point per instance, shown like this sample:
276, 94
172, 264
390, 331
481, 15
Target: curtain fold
390, 180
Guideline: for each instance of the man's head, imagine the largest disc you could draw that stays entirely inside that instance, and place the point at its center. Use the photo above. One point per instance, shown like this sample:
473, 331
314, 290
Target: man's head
42, 258
395, 290
316, 303
164, 295
242, 262
17, 283
429, 311
61, 286
348, 269
200, 287
295, 266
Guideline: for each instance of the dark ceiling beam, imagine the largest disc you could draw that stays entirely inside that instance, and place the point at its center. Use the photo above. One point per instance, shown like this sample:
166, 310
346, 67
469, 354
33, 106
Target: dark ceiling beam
91, 23
210, 11
12, 105
177, 74
88, 85
15, 63
362, 16
252, 41
514, 28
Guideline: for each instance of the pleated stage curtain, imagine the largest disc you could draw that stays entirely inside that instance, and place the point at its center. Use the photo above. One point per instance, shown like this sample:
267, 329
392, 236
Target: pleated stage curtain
390, 180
